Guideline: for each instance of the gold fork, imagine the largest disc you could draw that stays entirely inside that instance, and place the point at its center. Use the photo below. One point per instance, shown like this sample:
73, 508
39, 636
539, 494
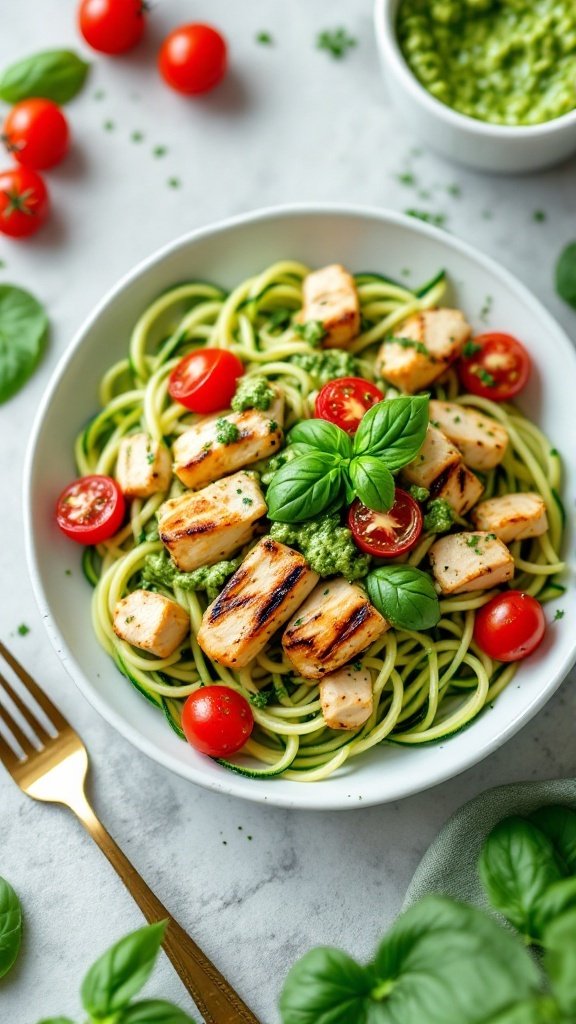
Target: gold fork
53, 767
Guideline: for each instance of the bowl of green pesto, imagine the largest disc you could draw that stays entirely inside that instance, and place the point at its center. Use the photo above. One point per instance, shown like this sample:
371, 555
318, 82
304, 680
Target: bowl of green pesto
491, 83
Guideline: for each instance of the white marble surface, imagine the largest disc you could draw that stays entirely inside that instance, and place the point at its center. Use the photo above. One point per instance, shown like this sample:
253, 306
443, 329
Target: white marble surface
254, 885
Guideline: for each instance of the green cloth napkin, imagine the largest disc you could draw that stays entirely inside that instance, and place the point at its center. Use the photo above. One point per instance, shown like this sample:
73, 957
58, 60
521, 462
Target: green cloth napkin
449, 868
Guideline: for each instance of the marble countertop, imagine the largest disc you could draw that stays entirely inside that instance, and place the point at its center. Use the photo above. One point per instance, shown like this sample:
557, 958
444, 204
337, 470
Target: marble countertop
255, 886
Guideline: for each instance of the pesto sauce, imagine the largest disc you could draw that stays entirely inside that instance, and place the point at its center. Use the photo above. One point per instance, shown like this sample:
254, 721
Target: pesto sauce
509, 62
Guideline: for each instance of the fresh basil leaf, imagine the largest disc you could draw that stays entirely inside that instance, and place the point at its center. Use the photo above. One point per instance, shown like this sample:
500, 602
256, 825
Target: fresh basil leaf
566, 275
53, 74
447, 962
517, 865
154, 1011
405, 596
560, 960
372, 482
122, 971
559, 825
327, 987
394, 429
321, 435
536, 1011
56, 1020
305, 487
10, 927
23, 333
558, 898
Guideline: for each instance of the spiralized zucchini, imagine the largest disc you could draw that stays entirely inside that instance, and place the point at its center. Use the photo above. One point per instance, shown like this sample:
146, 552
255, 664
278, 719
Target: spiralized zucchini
426, 685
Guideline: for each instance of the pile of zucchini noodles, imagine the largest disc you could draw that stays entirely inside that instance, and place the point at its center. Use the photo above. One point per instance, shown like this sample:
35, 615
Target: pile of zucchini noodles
426, 685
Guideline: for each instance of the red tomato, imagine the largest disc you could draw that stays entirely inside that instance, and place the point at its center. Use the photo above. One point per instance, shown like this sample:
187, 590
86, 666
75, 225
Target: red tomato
205, 380
217, 721
386, 534
112, 26
24, 202
498, 368
193, 59
345, 400
91, 509
36, 132
510, 626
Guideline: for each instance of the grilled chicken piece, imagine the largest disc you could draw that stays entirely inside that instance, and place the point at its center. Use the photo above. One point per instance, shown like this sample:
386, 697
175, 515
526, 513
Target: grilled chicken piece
481, 439
513, 516
470, 561
200, 458
152, 622
436, 456
428, 343
332, 627
143, 467
330, 297
202, 527
263, 593
439, 467
346, 698
459, 487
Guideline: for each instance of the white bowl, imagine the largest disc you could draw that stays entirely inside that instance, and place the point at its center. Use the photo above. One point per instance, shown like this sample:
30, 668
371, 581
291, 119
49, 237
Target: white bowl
362, 239
487, 147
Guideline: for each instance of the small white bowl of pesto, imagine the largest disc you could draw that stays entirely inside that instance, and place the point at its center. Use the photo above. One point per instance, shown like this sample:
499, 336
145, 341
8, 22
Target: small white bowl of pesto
491, 83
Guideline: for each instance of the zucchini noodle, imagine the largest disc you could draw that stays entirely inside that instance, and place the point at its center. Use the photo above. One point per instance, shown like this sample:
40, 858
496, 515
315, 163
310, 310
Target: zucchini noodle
426, 686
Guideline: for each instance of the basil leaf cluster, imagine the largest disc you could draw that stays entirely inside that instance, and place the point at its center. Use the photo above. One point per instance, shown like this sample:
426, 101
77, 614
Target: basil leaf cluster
110, 985
441, 961
447, 962
10, 927
331, 468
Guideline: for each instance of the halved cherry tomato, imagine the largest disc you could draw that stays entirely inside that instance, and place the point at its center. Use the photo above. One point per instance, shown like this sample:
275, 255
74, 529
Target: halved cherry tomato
217, 721
497, 368
386, 534
345, 400
24, 202
112, 26
510, 626
36, 132
91, 509
193, 58
205, 380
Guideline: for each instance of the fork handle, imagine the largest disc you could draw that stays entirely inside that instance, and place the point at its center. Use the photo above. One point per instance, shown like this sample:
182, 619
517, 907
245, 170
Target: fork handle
214, 996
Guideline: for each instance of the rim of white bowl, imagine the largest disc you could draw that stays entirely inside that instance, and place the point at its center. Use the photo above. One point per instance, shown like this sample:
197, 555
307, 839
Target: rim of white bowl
384, 19
235, 785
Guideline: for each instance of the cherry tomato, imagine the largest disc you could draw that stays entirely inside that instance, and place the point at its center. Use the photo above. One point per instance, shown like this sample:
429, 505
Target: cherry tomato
36, 132
345, 400
91, 509
24, 202
217, 721
205, 380
193, 59
112, 26
510, 626
498, 368
386, 534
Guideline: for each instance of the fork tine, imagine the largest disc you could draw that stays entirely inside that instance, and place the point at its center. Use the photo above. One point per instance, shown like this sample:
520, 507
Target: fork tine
27, 713
49, 709
7, 755
20, 736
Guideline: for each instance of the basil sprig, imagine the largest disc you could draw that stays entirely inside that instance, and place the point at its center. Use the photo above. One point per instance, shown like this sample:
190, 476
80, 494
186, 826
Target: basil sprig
404, 595
10, 927
445, 961
110, 985
53, 74
330, 467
